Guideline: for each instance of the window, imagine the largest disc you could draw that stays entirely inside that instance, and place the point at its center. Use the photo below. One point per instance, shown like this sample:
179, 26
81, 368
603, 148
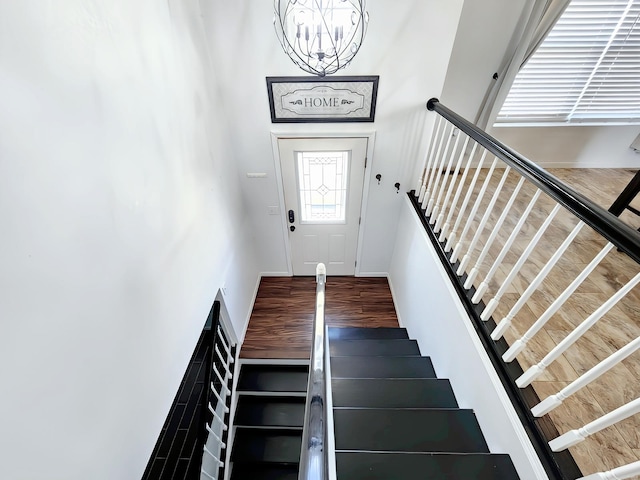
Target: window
322, 184
586, 71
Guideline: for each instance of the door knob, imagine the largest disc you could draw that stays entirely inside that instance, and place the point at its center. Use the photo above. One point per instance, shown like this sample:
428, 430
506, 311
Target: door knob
292, 228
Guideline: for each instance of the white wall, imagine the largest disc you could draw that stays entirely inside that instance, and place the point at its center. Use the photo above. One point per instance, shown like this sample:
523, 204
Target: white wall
574, 146
430, 309
408, 44
121, 218
481, 45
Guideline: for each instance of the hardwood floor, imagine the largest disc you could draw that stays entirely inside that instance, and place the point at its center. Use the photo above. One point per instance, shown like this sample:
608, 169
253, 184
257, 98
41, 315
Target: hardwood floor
282, 317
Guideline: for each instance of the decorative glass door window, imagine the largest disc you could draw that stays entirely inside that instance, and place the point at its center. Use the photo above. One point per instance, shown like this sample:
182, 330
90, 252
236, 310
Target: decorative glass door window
322, 186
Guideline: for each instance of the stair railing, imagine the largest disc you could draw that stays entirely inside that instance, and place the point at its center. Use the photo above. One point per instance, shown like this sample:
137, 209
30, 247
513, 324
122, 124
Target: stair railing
218, 401
313, 455
493, 237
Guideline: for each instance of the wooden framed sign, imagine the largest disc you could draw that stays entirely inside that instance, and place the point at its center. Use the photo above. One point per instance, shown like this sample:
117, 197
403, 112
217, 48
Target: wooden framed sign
322, 99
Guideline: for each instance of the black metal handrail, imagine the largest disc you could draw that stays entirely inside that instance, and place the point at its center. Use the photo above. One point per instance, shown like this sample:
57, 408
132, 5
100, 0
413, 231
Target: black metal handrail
608, 225
313, 455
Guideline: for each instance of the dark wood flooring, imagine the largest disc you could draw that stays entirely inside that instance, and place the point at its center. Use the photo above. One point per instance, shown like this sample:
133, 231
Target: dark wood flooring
282, 317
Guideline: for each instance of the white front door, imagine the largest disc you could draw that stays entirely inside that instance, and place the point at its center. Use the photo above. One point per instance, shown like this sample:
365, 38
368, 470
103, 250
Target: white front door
323, 180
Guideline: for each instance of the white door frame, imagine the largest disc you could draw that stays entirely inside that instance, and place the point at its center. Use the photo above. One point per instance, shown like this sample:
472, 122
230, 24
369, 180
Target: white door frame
275, 136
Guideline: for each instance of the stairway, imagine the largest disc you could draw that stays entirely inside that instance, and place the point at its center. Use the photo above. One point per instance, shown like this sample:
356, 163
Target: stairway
393, 419
268, 421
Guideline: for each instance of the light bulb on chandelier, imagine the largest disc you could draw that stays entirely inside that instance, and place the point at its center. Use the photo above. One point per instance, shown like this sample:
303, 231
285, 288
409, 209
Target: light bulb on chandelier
320, 36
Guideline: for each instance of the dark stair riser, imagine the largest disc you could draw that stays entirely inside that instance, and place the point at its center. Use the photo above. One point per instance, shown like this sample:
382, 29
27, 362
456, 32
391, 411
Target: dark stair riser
266, 446
394, 347
273, 378
268, 433
263, 471
411, 466
382, 367
356, 333
270, 411
408, 430
393, 393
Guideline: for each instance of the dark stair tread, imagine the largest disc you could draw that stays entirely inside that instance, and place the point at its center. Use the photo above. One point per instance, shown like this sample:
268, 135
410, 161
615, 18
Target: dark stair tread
355, 333
264, 472
393, 393
389, 347
382, 367
408, 430
270, 411
252, 445
273, 378
439, 466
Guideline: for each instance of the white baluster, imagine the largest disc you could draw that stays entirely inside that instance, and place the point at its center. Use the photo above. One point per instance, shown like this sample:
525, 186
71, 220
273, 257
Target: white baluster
445, 179
421, 186
217, 417
227, 349
207, 474
220, 463
521, 343
495, 229
217, 395
465, 203
605, 365
223, 381
483, 222
495, 301
482, 288
474, 210
620, 473
505, 323
454, 203
438, 174
452, 184
433, 168
574, 437
215, 436
535, 371
225, 362
429, 159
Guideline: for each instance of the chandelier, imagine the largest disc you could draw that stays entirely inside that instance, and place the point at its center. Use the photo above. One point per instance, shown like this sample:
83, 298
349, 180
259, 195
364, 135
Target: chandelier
320, 36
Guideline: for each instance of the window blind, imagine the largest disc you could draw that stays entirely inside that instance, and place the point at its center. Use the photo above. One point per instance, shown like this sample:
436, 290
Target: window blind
587, 70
